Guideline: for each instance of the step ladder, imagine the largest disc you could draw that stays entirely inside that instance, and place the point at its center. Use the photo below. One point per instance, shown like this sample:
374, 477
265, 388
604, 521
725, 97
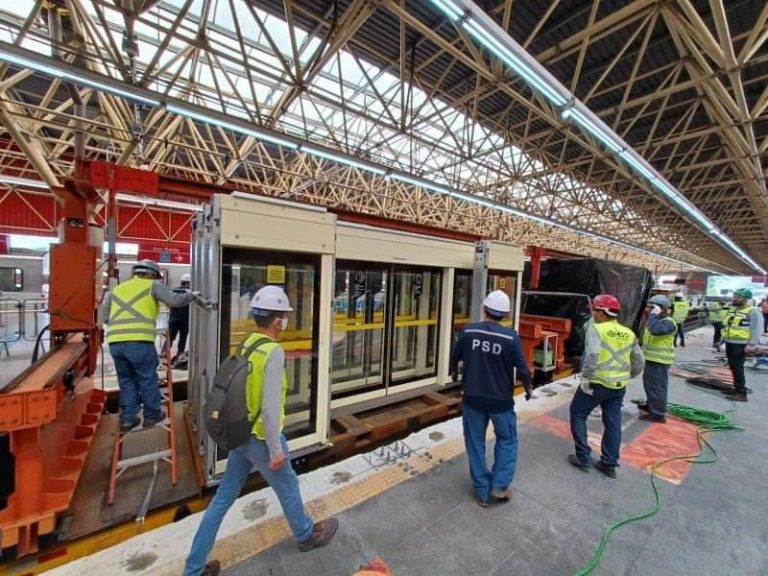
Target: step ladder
166, 454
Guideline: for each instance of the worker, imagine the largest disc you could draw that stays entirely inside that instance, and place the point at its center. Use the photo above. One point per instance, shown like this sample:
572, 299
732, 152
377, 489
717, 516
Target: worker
490, 354
178, 319
716, 312
130, 310
764, 310
741, 333
680, 311
266, 451
612, 356
659, 331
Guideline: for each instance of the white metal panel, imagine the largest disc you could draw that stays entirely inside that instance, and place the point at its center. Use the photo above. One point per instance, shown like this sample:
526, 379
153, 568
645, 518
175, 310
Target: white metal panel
355, 242
504, 256
253, 223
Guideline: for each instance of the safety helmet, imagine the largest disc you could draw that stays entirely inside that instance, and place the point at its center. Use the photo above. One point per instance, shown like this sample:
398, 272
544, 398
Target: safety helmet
607, 303
270, 299
660, 300
745, 293
144, 266
498, 302
186, 278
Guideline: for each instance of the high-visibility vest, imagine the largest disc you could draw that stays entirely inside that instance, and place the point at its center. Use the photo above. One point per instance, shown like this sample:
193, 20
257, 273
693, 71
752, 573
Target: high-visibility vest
255, 385
132, 312
681, 311
717, 313
613, 362
737, 326
659, 348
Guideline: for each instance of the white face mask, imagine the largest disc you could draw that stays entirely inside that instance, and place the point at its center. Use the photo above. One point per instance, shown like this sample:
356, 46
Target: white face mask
283, 324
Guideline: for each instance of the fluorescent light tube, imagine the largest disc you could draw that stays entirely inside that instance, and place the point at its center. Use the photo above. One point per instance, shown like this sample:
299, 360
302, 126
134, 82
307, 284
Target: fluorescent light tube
449, 9
342, 160
26, 182
424, 184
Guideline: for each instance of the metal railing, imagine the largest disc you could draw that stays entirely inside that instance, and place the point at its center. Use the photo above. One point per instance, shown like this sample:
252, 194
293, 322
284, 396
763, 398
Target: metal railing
21, 320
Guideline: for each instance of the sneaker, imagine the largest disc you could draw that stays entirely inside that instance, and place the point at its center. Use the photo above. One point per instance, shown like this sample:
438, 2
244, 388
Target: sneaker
151, 422
501, 494
127, 427
212, 568
609, 471
321, 534
583, 466
653, 418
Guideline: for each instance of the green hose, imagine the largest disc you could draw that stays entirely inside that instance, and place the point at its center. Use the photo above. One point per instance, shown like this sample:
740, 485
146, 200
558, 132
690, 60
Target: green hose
707, 421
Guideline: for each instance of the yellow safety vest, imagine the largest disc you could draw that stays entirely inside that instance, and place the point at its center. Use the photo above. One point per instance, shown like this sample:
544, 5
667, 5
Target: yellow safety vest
736, 327
717, 313
255, 384
132, 312
659, 348
613, 361
681, 311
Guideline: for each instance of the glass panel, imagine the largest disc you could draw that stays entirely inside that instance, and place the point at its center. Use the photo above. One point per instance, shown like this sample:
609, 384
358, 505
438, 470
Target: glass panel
506, 281
243, 273
11, 279
462, 302
417, 305
358, 329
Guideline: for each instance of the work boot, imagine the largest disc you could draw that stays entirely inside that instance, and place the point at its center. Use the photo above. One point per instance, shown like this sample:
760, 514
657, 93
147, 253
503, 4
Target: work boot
648, 417
738, 397
501, 494
482, 503
125, 428
151, 422
643, 407
321, 534
212, 568
609, 471
583, 466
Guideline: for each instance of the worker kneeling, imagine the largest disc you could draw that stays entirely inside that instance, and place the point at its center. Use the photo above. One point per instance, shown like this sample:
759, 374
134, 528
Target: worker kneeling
612, 356
490, 353
265, 449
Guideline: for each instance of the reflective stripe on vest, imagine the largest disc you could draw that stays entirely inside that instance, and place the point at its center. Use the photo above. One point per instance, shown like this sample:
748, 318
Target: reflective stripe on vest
132, 312
659, 348
613, 361
681, 312
737, 326
255, 385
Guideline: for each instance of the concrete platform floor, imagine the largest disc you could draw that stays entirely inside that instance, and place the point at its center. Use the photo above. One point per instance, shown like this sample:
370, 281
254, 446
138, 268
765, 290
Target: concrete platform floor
713, 520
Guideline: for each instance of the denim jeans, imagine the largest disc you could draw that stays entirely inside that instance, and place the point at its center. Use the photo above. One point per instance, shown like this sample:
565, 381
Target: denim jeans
136, 366
610, 402
241, 461
504, 453
656, 383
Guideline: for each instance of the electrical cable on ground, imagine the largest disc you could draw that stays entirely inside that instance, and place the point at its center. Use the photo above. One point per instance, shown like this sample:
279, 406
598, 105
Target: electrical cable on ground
707, 421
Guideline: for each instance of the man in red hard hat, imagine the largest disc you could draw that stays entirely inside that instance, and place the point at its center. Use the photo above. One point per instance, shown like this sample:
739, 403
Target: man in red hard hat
612, 356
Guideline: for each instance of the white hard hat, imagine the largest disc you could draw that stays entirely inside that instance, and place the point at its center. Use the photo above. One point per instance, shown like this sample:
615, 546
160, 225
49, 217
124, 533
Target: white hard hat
498, 301
271, 299
145, 266
186, 277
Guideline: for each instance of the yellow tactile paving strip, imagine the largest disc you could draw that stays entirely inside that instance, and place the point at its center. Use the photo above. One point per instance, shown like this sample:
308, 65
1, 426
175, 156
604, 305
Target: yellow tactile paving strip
251, 541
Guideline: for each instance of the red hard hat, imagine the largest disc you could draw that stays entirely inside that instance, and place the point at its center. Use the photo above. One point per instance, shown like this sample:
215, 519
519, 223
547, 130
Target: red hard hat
607, 303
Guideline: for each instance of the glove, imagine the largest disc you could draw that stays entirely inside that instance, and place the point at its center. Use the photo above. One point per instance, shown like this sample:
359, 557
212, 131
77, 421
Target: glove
656, 310
528, 386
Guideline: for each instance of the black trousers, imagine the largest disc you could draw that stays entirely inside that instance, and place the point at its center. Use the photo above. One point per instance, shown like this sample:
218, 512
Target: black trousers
718, 326
680, 335
737, 354
181, 329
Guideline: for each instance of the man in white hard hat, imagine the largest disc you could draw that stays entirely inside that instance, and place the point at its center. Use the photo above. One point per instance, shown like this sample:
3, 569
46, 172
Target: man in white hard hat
178, 319
266, 450
130, 311
490, 354
658, 342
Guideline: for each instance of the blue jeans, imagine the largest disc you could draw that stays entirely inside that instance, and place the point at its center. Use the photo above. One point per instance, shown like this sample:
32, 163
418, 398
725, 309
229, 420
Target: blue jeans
656, 383
285, 483
504, 453
136, 365
581, 406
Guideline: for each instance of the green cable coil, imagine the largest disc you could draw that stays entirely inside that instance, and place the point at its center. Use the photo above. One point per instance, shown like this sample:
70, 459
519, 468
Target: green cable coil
707, 421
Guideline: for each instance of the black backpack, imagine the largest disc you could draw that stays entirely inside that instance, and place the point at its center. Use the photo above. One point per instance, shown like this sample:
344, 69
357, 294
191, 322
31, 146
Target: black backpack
226, 409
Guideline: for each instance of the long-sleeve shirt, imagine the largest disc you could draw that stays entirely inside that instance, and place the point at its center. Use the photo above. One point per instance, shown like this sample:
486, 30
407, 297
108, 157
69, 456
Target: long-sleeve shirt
755, 326
272, 397
592, 351
660, 325
160, 292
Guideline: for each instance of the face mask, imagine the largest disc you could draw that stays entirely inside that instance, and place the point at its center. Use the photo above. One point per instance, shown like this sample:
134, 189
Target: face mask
283, 324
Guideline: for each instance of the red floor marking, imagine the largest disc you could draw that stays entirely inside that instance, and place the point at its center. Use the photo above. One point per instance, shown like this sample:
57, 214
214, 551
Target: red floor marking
658, 442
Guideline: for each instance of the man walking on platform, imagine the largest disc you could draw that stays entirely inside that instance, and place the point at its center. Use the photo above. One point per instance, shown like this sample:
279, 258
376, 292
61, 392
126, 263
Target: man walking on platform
741, 334
491, 353
612, 356
659, 352
680, 310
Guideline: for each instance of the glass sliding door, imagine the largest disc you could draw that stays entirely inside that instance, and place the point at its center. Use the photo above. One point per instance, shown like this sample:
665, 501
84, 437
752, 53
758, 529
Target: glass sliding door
246, 271
462, 302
